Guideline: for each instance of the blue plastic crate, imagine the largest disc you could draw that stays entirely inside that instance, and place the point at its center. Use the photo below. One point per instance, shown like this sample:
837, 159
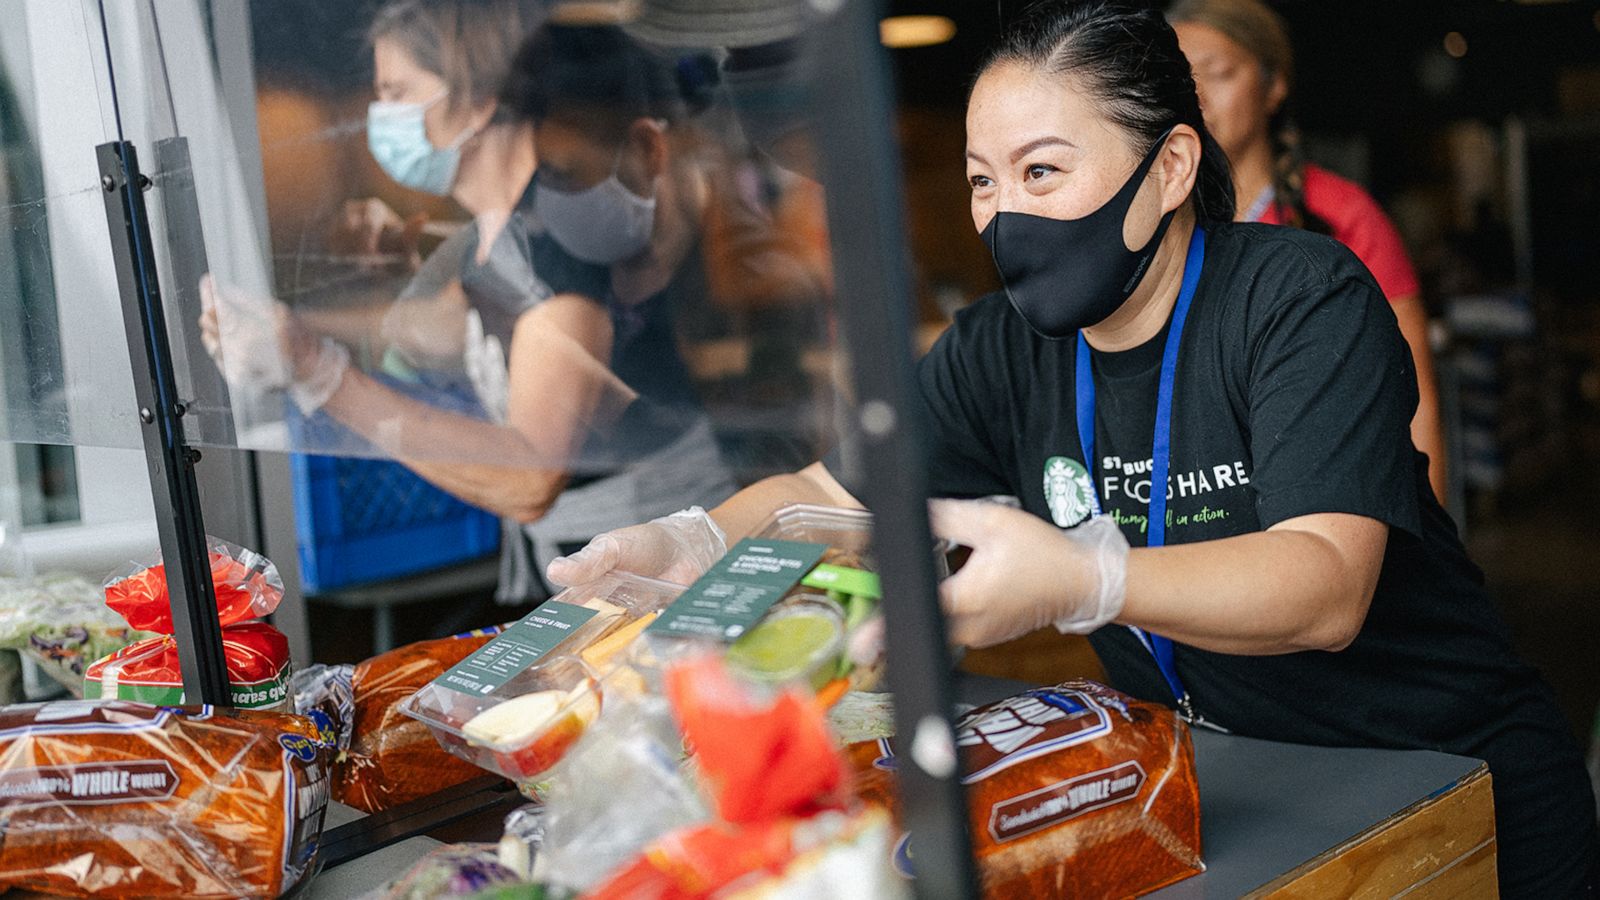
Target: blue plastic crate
361, 520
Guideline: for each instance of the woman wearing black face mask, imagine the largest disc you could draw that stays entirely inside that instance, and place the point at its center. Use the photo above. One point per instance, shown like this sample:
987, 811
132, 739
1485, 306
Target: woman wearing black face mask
635, 183
1295, 579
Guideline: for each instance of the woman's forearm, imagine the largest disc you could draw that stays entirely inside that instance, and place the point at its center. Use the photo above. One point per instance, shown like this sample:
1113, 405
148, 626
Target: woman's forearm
488, 465
742, 513
1303, 585
522, 494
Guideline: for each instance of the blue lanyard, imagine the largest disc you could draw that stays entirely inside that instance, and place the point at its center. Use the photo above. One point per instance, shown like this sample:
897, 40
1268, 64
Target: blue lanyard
1161, 447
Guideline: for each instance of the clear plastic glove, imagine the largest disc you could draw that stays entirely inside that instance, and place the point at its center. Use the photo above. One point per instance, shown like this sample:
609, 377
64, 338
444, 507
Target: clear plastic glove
259, 346
1025, 573
485, 362
677, 548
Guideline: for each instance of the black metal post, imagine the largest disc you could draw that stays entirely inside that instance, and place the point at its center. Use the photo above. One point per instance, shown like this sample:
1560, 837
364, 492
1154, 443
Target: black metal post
169, 457
861, 170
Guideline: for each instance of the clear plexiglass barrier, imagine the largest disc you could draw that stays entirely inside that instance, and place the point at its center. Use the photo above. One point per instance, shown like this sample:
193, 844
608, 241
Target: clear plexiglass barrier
527, 248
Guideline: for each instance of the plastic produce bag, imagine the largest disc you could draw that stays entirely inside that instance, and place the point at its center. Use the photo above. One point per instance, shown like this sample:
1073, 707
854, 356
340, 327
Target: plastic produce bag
1075, 791
522, 840
450, 871
247, 585
119, 799
393, 758
63, 624
617, 791
60, 621
256, 654
779, 786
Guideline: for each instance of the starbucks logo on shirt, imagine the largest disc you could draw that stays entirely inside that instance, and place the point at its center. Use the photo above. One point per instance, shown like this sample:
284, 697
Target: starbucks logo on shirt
1068, 491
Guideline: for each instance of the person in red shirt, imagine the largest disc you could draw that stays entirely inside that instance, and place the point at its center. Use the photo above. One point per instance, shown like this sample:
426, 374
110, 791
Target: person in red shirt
1243, 66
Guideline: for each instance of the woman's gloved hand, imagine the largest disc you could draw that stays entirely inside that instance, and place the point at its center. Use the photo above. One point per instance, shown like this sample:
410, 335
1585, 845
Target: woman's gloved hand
677, 548
1025, 573
259, 345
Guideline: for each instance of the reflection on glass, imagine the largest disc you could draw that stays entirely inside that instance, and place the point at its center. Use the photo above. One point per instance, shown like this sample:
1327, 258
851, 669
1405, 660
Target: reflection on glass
48, 215
543, 265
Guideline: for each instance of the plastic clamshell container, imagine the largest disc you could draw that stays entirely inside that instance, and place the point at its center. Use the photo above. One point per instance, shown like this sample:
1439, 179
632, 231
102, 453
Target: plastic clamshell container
814, 655
531, 737
840, 528
849, 530
523, 742
622, 600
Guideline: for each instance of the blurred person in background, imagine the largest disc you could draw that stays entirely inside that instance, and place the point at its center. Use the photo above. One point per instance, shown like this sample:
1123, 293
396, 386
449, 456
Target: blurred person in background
585, 426
643, 172
1243, 65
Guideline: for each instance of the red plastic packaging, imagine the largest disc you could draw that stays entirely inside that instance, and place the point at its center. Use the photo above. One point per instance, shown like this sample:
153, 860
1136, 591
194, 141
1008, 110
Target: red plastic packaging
761, 760
257, 657
247, 585
256, 654
773, 773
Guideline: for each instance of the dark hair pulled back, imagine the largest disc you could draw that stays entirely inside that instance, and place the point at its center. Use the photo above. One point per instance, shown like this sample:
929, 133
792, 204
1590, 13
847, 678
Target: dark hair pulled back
1127, 58
599, 78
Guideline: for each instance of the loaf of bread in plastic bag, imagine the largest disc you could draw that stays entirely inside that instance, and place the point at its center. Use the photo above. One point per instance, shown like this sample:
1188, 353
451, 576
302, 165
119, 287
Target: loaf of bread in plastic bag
119, 799
1074, 790
393, 758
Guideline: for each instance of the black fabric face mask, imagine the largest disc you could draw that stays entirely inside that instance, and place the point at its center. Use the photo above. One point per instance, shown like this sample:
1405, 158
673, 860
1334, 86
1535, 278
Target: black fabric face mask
1066, 274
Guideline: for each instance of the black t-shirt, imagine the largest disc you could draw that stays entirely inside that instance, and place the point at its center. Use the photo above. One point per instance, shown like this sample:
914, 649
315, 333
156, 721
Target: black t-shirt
1294, 395
525, 266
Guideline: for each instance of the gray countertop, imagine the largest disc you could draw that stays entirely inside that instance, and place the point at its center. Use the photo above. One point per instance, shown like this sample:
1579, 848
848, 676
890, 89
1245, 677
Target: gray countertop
1266, 808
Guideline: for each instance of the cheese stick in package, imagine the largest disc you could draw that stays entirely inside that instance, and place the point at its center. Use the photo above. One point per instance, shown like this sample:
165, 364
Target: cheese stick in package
1075, 790
122, 799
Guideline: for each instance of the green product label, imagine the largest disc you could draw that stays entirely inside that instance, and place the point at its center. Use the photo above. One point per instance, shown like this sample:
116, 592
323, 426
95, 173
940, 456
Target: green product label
517, 648
153, 694
845, 580
257, 695
739, 589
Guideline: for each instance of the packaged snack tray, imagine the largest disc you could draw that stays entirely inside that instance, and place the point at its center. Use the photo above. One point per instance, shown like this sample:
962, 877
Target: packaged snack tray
803, 637
517, 706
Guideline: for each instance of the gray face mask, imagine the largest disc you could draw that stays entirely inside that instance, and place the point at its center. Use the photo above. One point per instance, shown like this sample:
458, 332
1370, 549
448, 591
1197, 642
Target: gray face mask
603, 224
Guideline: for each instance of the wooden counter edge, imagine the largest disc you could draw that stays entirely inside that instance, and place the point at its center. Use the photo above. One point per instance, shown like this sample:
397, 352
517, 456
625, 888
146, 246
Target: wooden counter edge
1442, 846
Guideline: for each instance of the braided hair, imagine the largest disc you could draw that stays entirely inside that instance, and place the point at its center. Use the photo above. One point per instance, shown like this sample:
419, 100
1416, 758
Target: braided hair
1262, 33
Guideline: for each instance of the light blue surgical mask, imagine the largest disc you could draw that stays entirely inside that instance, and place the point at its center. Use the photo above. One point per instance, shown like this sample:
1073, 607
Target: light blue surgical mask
603, 224
398, 139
